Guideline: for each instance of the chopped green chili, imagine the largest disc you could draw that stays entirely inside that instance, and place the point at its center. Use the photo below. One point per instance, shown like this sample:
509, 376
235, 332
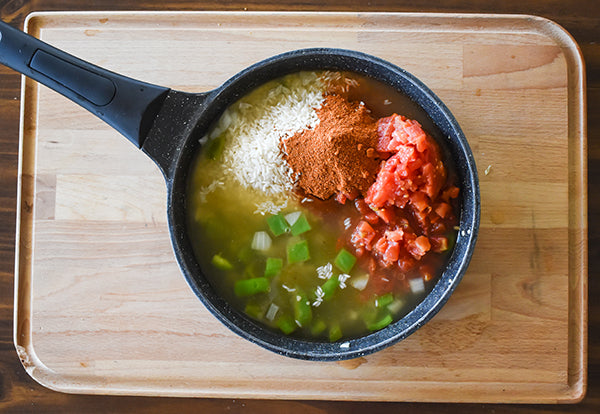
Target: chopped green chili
249, 287
335, 333
214, 147
277, 224
381, 323
298, 252
254, 311
286, 324
300, 226
318, 327
345, 261
302, 309
221, 263
273, 266
329, 287
383, 301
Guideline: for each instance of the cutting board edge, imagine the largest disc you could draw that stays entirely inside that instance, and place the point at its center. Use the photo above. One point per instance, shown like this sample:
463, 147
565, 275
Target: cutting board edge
22, 317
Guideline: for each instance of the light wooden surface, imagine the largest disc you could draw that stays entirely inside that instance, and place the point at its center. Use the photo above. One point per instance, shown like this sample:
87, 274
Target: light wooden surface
101, 305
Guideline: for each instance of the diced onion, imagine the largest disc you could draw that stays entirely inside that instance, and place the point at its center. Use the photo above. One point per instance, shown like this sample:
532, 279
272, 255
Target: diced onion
272, 311
359, 282
261, 241
291, 218
417, 285
395, 306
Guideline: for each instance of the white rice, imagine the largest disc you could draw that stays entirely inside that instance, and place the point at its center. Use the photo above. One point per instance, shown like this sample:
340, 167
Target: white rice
254, 126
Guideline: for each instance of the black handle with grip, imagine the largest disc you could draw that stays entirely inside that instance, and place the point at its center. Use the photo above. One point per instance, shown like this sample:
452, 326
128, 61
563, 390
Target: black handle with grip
128, 105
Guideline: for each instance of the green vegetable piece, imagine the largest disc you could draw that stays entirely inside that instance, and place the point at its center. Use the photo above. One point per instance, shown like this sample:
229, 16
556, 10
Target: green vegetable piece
329, 287
345, 261
300, 226
249, 287
221, 263
335, 333
246, 254
254, 311
381, 323
385, 300
273, 266
318, 327
298, 252
286, 324
302, 309
277, 224
214, 147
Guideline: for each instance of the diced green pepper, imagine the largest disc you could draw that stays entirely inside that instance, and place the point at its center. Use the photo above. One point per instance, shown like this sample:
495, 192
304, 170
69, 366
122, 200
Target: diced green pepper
302, 309
221, 263
254, 311
318, 327
214, 147
246, 254
335, 333
277, 224
381, 323
286, 324
345, 261
300, 226
383, 301
273, 266
249, 287
329, 287
298, 252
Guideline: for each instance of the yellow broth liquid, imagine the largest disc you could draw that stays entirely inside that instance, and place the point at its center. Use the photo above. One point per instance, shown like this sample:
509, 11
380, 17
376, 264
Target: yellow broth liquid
223, 223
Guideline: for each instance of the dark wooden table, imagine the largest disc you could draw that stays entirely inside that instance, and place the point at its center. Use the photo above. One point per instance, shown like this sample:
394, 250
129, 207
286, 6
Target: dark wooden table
19, 393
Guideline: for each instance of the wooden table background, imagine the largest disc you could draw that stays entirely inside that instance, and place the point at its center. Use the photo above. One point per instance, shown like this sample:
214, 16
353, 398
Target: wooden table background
19, 393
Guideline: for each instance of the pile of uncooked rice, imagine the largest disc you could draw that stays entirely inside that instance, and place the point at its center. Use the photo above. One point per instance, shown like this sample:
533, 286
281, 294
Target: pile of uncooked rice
253, 127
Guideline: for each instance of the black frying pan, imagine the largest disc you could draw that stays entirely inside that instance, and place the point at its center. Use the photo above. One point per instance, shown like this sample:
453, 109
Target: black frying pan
167, 124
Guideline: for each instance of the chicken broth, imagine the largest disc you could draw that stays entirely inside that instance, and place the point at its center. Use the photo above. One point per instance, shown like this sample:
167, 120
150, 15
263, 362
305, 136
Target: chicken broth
317, 269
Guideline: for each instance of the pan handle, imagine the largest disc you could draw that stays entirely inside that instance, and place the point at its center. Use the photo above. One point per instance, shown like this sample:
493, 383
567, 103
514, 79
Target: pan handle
128, 105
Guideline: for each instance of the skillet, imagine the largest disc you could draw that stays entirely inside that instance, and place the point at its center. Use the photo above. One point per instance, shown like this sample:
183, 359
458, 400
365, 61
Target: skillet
166, 125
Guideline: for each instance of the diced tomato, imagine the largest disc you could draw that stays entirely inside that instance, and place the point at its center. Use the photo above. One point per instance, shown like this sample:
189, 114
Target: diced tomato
363, 235
439, 243
391, 252
406, 263
406, 212
394, 235
419, 201
362, 207
372, 217
443, 210
418, 247
451, 192
380, 245
386, 214
385, 127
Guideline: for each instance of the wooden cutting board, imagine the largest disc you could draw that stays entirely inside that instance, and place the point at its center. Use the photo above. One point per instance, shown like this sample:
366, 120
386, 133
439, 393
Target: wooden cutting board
101, 306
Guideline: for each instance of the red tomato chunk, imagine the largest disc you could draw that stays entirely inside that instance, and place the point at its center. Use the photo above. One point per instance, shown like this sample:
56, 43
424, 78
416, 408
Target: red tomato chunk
407, 213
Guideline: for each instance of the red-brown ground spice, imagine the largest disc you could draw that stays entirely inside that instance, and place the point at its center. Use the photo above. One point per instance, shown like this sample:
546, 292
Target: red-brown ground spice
337, 157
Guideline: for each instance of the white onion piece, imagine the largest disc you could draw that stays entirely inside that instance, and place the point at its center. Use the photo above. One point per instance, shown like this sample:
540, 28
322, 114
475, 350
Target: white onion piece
261, 241
417, 285
272, 311
395, 306
291, 218
359, 282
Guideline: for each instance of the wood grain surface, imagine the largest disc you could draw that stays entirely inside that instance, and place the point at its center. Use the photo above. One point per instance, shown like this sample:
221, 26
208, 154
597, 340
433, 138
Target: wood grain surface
21, 394
96, 266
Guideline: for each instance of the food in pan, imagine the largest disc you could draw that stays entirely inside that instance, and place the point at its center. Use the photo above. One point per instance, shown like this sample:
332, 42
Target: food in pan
321, 205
